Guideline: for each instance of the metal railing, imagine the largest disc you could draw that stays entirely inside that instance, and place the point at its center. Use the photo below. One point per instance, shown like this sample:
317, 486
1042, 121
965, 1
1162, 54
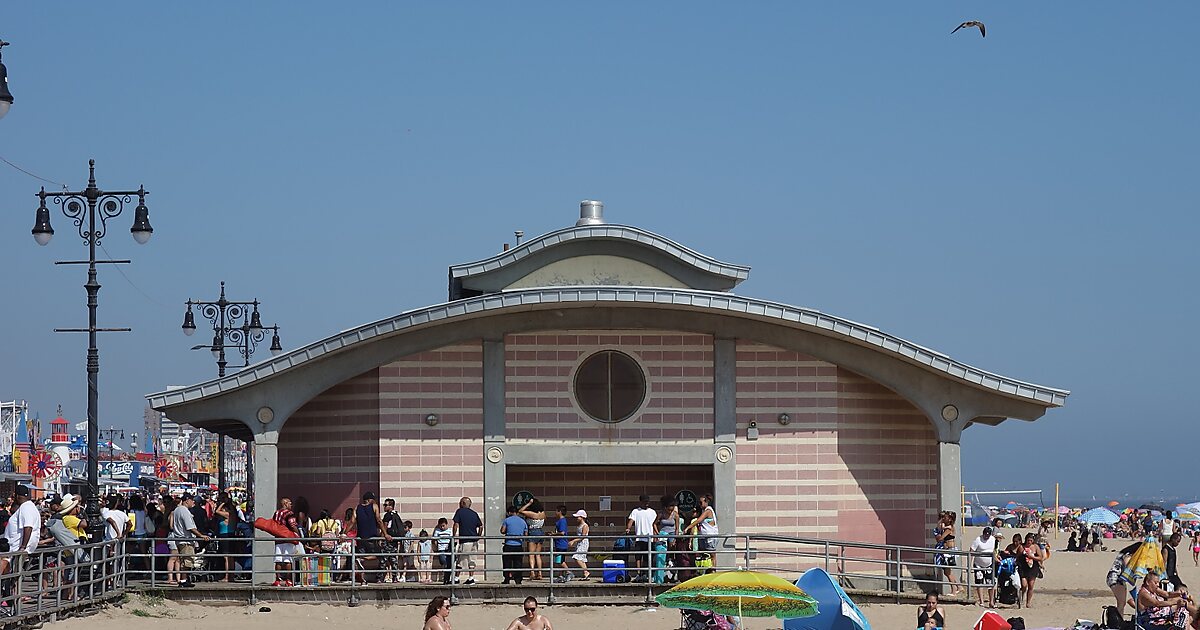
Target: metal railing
355, 563
54, 580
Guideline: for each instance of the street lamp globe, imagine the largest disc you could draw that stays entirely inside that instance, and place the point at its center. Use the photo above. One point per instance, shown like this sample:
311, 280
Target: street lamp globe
141, 229
42, 232
189, 323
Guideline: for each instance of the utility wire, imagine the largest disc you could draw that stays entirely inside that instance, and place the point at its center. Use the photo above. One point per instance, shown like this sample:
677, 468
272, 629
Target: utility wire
33, 175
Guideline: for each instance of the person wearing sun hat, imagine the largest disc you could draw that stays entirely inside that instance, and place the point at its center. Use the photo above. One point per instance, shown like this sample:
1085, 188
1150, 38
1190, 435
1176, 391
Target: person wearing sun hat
67, 539
580, 542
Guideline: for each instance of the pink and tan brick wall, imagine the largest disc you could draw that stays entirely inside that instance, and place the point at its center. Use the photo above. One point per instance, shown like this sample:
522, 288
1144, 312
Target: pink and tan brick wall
857, 461
329, 448
426, 469
538, 385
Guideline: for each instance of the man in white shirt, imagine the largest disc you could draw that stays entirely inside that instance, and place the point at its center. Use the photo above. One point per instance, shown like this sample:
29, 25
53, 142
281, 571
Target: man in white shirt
641, 523
116, 521
983, 560
24, 529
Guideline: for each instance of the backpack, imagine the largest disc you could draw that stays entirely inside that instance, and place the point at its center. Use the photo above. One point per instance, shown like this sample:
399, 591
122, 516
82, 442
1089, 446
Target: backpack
1008, 594
1017, 623
1112, 619
328, 535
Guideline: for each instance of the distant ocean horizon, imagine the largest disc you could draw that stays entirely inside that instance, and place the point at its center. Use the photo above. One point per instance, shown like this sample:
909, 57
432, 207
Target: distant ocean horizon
1084, 501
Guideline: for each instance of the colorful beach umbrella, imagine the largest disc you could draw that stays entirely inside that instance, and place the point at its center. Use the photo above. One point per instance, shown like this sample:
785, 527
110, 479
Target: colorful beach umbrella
741, 593
1114, 503
1187, 516
1062, 509
1103, 516
1147, 559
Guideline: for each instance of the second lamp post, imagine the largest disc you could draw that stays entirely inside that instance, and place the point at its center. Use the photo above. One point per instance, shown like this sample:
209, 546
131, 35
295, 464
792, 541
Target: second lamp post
236, 324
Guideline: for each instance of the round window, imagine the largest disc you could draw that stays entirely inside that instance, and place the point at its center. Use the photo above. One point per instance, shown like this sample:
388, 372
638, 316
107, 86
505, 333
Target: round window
610, 386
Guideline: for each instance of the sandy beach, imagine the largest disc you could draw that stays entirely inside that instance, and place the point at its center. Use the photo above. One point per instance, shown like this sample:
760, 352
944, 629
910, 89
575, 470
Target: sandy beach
1073, 588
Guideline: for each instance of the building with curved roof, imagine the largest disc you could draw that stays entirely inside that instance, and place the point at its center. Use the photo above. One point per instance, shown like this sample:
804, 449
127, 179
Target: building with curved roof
599, 362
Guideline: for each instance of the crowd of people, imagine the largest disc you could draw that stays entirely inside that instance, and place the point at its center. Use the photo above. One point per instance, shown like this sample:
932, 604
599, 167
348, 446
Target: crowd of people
179, 539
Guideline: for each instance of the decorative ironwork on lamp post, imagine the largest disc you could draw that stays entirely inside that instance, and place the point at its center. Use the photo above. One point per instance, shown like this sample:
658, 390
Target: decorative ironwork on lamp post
236, 324
90, 209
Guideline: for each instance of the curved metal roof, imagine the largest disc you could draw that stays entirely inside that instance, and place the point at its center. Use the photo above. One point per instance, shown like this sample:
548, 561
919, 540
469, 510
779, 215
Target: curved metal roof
703, 263
678, 298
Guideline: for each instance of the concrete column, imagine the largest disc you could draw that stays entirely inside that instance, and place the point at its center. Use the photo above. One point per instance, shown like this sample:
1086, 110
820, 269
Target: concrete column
950, 482
724, 390
495, 501
493, 390
725, 501
495, 478
266, 495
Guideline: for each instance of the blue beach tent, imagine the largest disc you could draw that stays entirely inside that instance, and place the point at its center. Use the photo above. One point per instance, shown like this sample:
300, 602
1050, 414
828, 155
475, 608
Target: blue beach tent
835, 611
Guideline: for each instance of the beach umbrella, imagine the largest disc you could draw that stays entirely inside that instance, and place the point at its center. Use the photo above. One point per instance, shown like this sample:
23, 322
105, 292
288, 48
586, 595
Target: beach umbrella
1185, 514
1104, 516
1114, 503
1194, 508
1147, 559
1153, 507
1062, 509
835, 610
1012, 505
741, 593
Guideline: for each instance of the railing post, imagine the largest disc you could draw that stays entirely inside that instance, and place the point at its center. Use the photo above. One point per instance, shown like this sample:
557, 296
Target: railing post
899, 574
451, 571
827, 557
353, 601
747, 539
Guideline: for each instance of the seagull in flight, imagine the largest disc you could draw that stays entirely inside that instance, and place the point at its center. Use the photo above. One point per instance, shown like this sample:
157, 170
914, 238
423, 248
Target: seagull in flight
972, 24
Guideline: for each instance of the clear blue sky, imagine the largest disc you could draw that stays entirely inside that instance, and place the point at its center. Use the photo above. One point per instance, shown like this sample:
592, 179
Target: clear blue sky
1020, 202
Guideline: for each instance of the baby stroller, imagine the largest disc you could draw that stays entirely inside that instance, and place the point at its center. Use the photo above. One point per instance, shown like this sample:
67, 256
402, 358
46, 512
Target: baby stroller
202, 567
1008, 583
703, 620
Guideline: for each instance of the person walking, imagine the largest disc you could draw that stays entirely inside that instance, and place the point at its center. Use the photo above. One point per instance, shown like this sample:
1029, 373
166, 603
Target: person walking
641, 524
983, 563
513, 528
185, 534
285, 552
580, 543
368, 524
467, 527
1029, 566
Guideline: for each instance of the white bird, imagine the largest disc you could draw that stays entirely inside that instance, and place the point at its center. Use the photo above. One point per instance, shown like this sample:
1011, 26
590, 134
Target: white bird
972, 24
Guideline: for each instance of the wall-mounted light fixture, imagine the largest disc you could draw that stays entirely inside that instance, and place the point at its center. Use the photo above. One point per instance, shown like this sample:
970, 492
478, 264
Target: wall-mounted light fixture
431, 419
752, 432
785, 419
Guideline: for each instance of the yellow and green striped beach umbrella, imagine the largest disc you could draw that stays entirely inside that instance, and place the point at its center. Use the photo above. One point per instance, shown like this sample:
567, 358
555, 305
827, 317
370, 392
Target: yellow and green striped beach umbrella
741, 593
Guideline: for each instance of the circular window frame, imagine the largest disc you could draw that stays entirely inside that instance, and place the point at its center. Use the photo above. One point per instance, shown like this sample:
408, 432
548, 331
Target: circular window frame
637, 361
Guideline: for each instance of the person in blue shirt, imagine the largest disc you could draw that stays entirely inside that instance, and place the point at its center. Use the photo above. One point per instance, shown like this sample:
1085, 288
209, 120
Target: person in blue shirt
561, 548
513, 528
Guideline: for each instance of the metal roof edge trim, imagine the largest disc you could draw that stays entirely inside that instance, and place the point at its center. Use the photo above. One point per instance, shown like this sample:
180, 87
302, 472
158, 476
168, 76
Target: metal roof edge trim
650, 296
700, 261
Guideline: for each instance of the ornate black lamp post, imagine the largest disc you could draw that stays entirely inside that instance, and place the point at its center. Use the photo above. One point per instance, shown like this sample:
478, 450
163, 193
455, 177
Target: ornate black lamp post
90, 210
108, 435
237, 325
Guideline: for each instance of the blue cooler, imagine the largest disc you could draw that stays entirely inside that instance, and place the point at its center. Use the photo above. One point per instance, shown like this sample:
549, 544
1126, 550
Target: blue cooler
614, 571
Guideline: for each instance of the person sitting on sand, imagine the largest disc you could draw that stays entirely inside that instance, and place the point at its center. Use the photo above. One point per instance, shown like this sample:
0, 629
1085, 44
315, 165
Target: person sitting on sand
1157, 609
437, 614
1072, 543
931, 616
531, 620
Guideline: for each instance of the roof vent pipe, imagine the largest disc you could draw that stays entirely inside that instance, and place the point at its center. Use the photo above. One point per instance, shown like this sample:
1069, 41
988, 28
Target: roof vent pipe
590, 213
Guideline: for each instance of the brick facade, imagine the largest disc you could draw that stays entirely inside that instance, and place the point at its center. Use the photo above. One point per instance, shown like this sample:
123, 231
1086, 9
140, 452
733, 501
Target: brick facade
540, 405
856, 461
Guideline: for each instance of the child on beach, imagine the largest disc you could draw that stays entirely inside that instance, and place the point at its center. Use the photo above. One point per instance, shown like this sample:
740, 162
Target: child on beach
580, 543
